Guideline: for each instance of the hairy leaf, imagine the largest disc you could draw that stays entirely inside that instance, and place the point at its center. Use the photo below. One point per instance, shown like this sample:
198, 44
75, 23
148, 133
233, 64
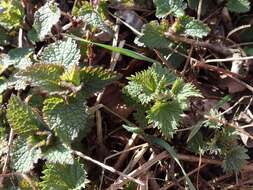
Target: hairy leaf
44, 19
88, 15
64, 177
165, 116
18, 57
190, 26
44, 76
238, 6
235, 159
23, 156
66, 119
149, 84
12, 15
65, 53
21, 117
183, 91
166, 7
96, 78
153, 36
58, 153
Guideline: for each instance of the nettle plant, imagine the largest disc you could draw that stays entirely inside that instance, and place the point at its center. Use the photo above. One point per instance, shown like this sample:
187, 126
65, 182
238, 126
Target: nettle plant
44, 100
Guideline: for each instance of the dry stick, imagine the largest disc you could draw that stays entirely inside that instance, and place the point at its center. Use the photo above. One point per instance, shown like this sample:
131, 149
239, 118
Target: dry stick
123, 156
109, 168
199, 9
227, 73
229, 59
116, 154
140, 170
217, 48
238, 29
169, 185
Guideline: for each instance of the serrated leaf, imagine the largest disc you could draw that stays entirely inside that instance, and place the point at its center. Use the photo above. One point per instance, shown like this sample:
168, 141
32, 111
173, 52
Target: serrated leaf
66, 119
17, 57
190, 26
166, 7
58, 153
165, 116
96, 78
22, 118
183, 91
153, 36
88, 15
12, 15
64, 177
235, 159
23, 156
238, 6
44, 76
149, 84
64, 53
72, 75
44, 19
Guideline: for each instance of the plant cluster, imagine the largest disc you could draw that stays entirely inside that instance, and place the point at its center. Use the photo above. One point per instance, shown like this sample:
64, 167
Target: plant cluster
44, 95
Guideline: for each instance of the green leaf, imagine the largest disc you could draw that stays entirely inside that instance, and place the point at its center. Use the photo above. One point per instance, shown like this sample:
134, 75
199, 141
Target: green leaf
173, 154
96, 78
44, 76
153, 36
238, 6
58, 153
88, 15
235, 159
66, 119
22, 118
148, 85
64, 53
72, 75
165, 116
12, 15
122, 51
183, 91
64, 177
23, 156
190, 26
166, 7
44, 19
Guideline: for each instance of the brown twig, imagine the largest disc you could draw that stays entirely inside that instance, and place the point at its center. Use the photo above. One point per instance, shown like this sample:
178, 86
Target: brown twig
217, 47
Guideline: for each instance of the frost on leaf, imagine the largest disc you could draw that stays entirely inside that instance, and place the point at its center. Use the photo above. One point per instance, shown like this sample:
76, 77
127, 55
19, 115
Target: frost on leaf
238, 6
165, 116
58, 153
44, 19
64, 177
61, 52
21, 117
67, 119
44, 76
190, 26
166, 7
23, 156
